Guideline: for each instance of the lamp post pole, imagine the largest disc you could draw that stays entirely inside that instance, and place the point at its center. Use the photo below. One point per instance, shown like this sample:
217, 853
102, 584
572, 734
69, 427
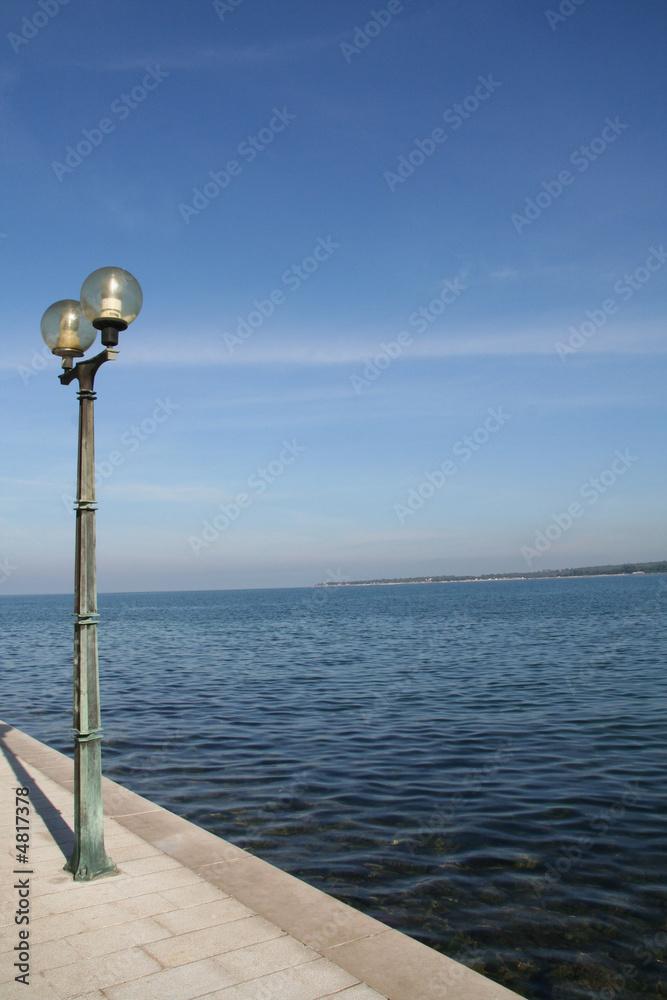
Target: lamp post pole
110, 300
89, 858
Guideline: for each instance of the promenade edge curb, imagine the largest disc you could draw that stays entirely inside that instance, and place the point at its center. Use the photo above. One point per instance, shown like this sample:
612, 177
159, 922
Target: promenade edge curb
386, 959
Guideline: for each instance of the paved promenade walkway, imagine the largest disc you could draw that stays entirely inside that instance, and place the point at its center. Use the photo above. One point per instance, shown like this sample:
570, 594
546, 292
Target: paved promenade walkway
190, 915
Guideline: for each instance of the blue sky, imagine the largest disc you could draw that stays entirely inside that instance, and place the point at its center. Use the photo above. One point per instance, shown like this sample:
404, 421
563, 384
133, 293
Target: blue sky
432, 222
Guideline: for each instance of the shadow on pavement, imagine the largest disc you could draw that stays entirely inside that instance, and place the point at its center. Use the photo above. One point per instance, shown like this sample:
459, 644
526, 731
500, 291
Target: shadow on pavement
52, 817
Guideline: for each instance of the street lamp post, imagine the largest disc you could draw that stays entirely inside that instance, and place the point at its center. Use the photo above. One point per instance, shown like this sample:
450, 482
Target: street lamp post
110, 299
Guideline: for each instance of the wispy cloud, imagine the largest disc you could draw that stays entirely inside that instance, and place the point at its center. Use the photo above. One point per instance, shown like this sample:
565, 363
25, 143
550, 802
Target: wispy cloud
9, 481
280, 347
218, 57
154, 493
289, 349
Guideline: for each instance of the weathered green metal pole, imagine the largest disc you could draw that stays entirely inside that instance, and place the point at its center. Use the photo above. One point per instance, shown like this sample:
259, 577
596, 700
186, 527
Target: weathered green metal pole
89, 859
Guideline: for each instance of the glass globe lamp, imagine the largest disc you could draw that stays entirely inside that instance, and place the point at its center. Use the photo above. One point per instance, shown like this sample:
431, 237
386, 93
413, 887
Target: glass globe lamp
111, 298
66, 330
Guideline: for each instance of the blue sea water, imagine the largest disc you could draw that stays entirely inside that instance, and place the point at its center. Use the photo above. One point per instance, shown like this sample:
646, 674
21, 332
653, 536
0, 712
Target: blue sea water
481, 765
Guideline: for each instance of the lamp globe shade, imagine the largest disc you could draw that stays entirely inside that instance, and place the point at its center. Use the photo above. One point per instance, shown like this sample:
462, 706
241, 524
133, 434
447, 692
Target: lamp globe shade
66, 330
111, 297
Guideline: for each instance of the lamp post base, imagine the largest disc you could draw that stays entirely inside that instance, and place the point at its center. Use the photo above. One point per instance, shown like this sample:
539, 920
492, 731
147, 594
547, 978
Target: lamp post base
89, 859
82, 872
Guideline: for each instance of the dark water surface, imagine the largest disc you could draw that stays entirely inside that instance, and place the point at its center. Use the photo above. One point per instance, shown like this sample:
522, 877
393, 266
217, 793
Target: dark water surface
480, 765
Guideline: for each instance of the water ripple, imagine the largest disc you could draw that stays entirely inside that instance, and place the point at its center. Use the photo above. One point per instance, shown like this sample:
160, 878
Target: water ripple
479, 765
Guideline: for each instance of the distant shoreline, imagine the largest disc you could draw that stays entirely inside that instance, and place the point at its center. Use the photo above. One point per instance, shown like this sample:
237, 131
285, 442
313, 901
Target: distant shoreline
625, 569
473, 579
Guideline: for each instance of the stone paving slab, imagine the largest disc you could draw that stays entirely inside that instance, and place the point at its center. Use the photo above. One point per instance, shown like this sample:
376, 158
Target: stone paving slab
189, 915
